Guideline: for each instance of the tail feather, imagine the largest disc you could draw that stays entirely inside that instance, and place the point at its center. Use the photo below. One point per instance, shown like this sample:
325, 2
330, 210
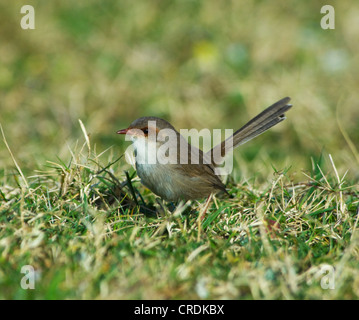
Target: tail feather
259, 124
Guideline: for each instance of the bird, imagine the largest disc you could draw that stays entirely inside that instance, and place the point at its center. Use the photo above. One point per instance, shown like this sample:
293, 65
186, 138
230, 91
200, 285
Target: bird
175, 170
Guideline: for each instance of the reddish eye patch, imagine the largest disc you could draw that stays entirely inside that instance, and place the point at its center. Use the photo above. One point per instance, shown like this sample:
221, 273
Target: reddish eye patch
145, 130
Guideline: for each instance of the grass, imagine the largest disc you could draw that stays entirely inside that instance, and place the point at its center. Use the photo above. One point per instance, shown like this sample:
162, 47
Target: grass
74, 209
80, 228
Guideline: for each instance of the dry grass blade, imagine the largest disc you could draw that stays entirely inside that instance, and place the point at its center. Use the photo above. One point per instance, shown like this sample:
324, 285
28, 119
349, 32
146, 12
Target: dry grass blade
13, 159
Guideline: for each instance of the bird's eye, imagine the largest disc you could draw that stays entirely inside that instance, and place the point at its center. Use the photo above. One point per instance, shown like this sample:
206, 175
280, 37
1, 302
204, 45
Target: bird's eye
145, 131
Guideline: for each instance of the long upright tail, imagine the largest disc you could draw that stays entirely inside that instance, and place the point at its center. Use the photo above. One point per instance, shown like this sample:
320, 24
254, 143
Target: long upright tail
259, 124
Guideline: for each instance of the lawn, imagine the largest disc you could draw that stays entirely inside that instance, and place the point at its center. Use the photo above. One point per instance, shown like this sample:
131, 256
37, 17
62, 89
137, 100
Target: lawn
75, 221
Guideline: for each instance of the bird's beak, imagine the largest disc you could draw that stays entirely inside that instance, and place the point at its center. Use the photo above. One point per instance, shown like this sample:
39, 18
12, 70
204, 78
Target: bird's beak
122, 131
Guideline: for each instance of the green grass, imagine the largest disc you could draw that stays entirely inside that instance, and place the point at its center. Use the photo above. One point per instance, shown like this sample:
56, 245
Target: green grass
74, 209
80, 228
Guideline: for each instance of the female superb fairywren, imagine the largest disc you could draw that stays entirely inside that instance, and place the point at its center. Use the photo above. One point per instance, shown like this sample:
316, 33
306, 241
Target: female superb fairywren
176, 170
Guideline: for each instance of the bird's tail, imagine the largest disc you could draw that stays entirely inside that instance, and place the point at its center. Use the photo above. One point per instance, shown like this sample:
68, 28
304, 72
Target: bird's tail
259, 124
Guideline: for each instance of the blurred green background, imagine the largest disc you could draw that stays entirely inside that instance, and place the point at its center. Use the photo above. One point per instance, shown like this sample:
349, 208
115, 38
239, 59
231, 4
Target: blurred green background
201, 64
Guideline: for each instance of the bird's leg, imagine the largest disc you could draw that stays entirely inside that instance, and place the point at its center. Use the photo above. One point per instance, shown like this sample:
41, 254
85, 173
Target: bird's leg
161, 210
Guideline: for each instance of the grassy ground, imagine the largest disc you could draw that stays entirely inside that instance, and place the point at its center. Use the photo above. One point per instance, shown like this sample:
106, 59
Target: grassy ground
73, 208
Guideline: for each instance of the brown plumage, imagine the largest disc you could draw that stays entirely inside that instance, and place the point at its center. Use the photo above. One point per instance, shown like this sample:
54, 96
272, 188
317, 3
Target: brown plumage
172, 174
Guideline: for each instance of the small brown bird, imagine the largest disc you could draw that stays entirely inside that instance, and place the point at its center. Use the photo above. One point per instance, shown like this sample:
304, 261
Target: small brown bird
175, 170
